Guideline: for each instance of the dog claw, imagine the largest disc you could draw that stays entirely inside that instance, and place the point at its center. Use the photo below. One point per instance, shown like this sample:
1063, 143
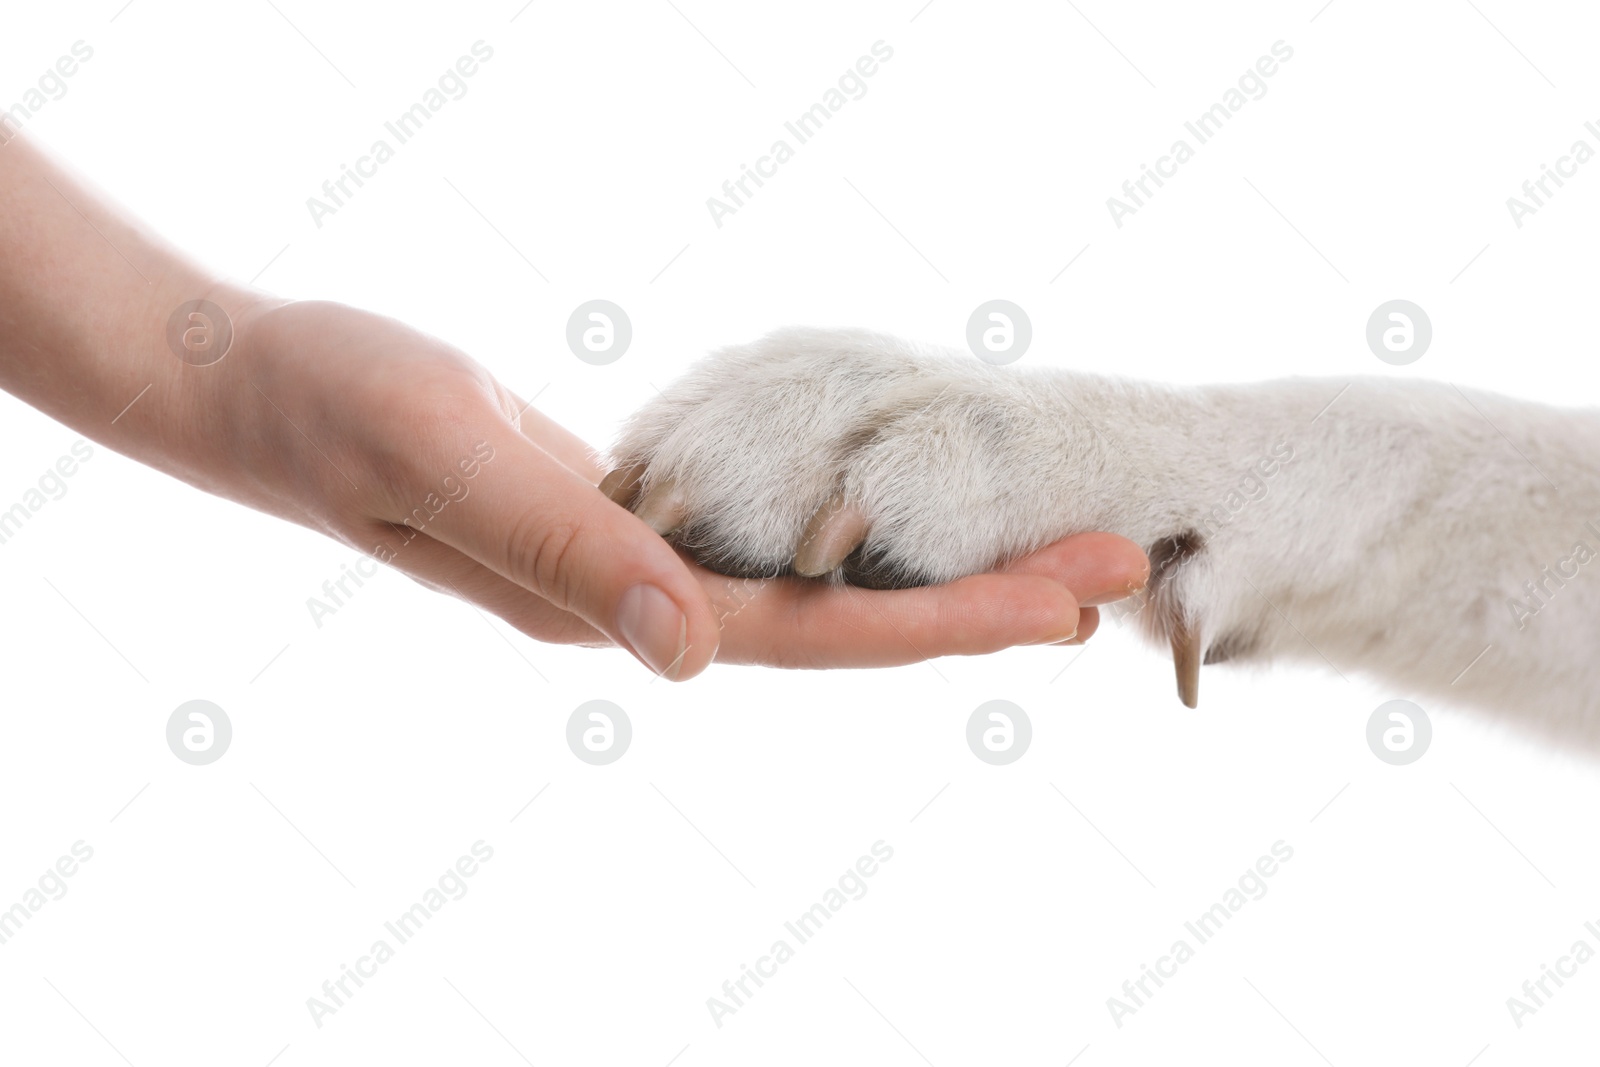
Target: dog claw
1186, 655
622, 484
835, 531
662, 509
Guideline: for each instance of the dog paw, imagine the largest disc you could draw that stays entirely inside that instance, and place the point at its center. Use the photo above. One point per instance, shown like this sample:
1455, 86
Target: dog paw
848, 454
862, 458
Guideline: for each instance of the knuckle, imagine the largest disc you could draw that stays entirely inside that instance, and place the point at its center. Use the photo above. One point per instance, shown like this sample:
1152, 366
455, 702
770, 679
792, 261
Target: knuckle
540, 551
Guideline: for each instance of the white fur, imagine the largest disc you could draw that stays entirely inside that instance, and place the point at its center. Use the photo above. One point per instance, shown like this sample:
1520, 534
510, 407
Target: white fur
1398, 525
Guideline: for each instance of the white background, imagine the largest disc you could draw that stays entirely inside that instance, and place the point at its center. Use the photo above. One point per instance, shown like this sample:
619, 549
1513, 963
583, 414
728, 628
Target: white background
368, 754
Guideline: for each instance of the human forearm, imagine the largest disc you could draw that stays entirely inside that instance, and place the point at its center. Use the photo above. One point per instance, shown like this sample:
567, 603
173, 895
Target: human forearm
85, 295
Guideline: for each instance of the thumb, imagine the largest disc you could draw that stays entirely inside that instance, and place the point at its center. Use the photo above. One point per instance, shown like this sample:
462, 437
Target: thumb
531, 519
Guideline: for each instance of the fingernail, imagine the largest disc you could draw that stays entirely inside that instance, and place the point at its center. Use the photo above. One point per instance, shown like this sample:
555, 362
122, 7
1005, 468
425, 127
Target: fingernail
1128, 586
654, 628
